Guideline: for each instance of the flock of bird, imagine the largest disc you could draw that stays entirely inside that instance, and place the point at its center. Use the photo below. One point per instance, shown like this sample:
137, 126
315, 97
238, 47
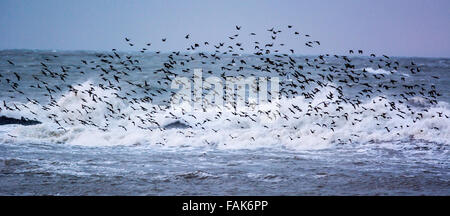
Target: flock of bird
311, 76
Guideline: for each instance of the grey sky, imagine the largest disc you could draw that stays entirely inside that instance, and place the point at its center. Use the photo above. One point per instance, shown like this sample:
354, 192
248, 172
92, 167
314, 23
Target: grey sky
398, 27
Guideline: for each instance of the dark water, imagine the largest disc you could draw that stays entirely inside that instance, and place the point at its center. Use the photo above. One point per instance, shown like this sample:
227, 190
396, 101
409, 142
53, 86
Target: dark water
42, 160
72, 170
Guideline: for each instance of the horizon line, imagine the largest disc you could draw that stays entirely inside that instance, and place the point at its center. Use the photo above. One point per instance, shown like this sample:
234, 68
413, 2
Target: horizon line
190, 52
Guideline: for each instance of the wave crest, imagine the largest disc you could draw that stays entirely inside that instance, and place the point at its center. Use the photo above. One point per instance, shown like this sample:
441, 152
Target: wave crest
150, 124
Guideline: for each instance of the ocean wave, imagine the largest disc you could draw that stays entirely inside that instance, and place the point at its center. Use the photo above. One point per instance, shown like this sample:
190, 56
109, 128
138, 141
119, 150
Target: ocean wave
370, 122
377, 71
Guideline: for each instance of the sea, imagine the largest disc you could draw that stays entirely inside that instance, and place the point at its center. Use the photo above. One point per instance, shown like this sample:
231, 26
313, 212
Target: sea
226, 155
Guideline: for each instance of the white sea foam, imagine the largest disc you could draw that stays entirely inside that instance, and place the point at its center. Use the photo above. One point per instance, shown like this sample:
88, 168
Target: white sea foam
377, 71
299, 132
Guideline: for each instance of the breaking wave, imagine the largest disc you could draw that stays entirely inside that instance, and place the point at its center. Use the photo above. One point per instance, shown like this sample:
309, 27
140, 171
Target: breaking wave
377, 71
367, 123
